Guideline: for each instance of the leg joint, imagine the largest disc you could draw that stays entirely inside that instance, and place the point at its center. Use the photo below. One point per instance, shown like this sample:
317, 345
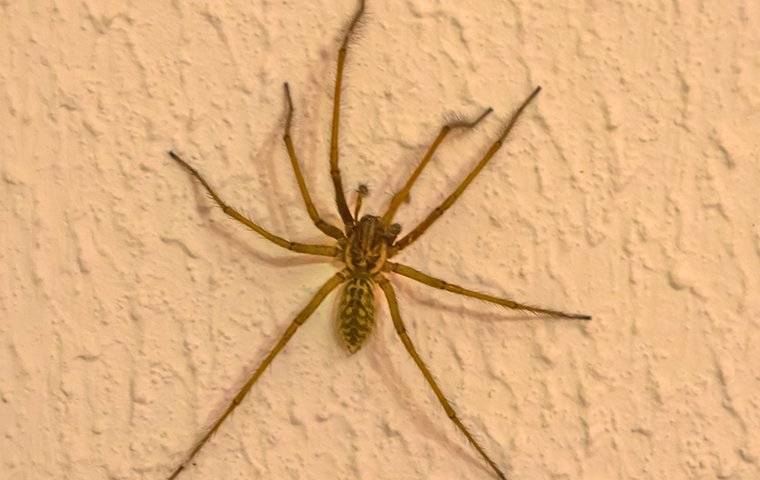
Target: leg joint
450, 412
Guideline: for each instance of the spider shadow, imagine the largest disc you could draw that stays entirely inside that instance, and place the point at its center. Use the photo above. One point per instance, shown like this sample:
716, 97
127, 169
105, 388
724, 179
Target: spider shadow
404, 398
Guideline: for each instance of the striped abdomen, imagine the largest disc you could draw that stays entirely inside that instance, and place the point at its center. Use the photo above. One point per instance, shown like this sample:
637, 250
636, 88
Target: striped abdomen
356, 315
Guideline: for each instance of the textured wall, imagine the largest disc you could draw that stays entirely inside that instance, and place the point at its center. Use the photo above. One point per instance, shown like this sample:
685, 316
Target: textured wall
131, 309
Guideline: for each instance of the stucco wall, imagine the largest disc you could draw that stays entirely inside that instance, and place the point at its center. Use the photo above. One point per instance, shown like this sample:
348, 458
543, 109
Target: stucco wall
131, 309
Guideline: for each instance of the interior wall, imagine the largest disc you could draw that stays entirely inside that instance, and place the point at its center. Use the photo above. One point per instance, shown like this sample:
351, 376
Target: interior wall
132, 308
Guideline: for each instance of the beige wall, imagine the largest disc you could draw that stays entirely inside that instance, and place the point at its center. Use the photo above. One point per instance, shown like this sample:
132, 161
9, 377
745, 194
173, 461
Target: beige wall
131, 308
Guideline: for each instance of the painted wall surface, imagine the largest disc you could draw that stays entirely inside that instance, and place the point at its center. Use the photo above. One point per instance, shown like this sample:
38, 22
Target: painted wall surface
132, 309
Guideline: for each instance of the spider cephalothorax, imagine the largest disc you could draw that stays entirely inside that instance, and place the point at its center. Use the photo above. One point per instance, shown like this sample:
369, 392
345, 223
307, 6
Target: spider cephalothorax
367, 245
364, 245
364, 254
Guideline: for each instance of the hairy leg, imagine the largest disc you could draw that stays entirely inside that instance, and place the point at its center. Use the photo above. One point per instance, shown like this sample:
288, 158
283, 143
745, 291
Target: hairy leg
403, 194
340, 196
361, 192
324, 250
325, 227
331, 284
433, 216
390, 295
444, 285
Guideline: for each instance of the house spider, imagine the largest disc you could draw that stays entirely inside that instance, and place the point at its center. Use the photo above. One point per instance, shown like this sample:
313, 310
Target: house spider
365, 245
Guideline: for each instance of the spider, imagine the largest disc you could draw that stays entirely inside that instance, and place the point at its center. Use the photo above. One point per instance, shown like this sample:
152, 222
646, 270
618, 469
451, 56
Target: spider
365, 246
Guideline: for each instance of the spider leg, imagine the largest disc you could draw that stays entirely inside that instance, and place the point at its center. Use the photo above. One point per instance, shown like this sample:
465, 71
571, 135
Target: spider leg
433, 216
340, 196
403, 194
390, 296
443, 285
329, 286
327, 228
324, 250
361, 192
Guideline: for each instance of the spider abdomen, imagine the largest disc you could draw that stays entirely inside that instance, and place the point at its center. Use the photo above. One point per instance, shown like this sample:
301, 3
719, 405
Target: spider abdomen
356, 315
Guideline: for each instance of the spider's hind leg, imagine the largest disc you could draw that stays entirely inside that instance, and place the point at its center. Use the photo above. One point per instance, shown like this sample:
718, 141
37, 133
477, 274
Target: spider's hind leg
304, 315
390, 296
403, 195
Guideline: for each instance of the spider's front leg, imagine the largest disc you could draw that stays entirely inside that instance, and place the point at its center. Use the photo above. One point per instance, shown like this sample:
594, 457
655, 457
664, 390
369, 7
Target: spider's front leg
438, 211
340, 196
326, 227
403, 194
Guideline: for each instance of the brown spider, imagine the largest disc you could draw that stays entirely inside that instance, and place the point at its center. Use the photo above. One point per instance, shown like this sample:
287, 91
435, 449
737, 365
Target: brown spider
365, 246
